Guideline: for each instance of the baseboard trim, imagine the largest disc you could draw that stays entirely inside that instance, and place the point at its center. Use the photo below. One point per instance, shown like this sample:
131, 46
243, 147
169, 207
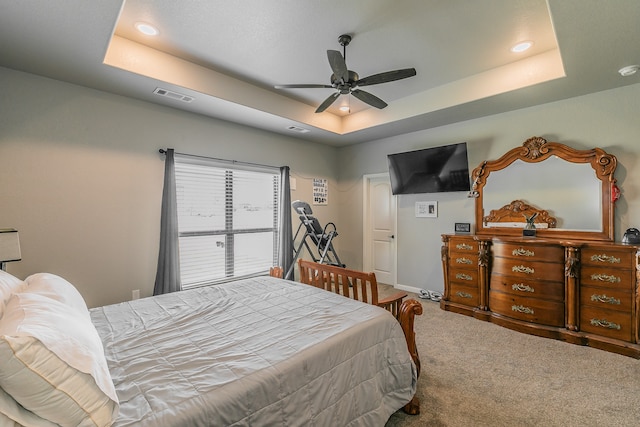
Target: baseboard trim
408, 288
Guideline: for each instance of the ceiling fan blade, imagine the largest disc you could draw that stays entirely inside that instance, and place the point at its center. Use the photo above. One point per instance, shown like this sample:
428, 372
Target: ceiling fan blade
338, 66
328, 102
388, 76
302, 86
368, 98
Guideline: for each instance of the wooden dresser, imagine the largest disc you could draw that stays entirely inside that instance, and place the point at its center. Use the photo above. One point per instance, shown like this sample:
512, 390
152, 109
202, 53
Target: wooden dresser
583, 292
566, 279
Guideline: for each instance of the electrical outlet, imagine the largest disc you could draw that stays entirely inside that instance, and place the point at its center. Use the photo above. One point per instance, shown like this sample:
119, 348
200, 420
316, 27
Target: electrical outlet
135, 294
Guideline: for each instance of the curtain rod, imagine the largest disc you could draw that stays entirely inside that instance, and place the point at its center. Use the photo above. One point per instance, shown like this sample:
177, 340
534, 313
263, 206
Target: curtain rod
163, 151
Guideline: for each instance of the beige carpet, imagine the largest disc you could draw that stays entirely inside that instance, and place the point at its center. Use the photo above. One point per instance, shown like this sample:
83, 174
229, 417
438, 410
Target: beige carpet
475, 373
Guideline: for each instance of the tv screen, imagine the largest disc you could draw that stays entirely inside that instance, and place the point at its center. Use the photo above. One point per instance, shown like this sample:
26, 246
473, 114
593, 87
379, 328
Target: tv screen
430, 170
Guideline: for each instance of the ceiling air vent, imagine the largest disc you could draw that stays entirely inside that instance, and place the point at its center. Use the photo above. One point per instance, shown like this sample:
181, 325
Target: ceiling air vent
173, 95
297, 129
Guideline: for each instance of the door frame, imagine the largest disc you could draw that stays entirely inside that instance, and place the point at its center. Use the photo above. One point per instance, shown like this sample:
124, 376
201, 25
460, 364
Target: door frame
367, 261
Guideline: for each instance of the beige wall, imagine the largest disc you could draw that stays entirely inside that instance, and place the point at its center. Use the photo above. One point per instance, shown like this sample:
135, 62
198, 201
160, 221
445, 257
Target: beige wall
81, 178
606, 119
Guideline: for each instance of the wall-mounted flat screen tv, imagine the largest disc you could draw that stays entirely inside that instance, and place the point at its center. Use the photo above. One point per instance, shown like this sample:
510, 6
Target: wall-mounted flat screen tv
430, 170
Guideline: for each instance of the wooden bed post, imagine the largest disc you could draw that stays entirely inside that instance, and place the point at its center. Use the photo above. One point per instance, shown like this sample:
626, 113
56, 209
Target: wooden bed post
406, 316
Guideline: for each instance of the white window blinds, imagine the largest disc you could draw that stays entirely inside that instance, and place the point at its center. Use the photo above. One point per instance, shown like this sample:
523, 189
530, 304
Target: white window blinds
227, 220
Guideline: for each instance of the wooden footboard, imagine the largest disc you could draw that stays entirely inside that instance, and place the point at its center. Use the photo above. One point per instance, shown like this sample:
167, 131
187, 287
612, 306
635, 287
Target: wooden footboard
364, 287
409, 309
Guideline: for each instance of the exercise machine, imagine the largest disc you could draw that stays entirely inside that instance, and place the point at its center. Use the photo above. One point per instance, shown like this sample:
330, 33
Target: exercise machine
317, 240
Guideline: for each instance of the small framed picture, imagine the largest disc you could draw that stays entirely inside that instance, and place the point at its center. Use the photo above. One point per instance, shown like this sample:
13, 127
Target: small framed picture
462, 228
426, 209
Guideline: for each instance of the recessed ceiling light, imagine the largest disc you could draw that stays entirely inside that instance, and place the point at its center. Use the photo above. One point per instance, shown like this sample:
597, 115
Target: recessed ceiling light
147, 29
629, 70
522, 46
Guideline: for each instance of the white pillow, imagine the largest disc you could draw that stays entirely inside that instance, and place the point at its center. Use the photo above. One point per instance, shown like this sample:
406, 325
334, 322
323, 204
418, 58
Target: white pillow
57, 288
12, 414
53, 363
8, 286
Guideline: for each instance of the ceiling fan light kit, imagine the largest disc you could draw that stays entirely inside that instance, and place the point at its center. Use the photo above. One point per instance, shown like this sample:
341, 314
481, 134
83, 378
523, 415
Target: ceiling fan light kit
346, 81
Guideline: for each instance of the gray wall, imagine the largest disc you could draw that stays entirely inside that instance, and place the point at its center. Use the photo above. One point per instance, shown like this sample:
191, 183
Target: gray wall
606, 119
81, 178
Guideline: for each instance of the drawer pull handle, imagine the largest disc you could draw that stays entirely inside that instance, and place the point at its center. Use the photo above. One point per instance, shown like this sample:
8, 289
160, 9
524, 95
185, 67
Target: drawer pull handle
605, 299
522, 269
610, 278
605, 324
464, 246
464, 261
464, 294
522, 252
522, 287
463, 276
522, 309
605, 258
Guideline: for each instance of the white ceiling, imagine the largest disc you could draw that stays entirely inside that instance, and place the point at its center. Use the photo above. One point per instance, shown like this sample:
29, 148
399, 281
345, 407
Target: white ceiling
228, 55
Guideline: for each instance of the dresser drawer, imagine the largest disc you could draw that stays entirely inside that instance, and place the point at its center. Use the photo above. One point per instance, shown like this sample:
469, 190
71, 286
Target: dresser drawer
604, 322
609, 276
606, 257
542, 312
529, 251
531, 270
463, 245
527, 288
466, 277
612, 299
462, 260
467, 295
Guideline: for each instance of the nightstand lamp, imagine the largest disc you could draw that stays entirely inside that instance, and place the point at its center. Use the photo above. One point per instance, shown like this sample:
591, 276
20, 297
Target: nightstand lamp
9, 246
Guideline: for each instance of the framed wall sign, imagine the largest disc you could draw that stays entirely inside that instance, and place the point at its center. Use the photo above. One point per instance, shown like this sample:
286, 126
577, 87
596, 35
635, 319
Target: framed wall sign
426, 209
320, 191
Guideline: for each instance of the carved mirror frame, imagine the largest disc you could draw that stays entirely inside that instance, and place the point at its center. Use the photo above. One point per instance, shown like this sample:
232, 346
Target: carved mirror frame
535, 150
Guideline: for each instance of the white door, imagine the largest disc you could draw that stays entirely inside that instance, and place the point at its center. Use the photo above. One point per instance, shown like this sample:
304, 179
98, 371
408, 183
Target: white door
379, 228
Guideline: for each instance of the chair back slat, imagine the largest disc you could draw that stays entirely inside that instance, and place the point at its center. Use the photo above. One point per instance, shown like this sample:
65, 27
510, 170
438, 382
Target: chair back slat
352, 284
349, 283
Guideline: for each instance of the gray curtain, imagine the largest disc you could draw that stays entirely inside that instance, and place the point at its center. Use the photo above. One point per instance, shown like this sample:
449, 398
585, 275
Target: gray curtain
168, 273
285, 245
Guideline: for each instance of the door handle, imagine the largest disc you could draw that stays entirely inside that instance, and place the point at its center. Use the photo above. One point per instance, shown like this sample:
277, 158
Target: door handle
392, 237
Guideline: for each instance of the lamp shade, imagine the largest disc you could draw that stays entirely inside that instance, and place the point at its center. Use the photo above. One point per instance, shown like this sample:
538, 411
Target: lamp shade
9, 245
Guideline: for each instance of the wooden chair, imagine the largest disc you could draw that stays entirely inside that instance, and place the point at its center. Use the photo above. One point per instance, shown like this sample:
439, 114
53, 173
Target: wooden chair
276, 271
353, 284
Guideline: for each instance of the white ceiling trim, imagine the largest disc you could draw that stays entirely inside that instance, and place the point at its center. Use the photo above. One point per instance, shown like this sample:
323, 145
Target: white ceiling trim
527, 72
143, 60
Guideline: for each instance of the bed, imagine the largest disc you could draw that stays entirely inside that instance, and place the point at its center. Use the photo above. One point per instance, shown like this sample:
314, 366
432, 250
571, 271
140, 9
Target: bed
259, 351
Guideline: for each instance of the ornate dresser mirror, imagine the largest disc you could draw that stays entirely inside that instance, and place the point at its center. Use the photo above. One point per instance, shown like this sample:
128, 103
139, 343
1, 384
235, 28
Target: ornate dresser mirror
575, 190
567, 279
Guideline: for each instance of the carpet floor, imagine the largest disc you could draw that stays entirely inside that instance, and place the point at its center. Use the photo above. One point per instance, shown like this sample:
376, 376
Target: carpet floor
475, 373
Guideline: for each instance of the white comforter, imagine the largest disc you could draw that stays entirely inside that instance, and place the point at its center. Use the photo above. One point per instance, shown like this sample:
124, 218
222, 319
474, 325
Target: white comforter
255, 352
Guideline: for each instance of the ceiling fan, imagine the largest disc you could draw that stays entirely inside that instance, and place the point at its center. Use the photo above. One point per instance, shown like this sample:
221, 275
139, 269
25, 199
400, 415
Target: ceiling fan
347, 81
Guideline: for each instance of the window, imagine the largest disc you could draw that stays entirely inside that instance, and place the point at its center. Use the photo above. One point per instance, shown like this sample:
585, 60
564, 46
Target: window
227, 220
